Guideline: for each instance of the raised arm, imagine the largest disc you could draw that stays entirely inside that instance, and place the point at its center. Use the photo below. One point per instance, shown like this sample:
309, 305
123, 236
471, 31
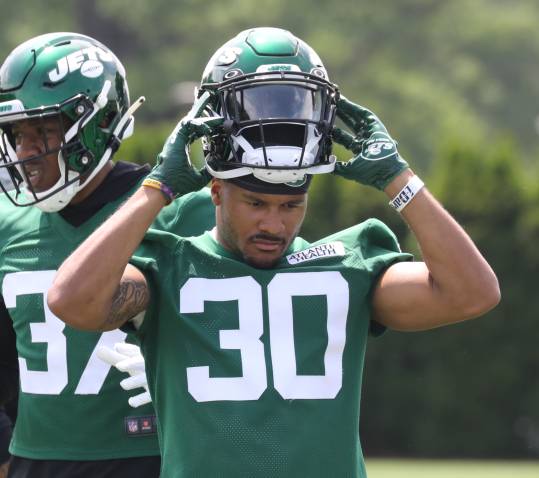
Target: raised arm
96, 288
455, 282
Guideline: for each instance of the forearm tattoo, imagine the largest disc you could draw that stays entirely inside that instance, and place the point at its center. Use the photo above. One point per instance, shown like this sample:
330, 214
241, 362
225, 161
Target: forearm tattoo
130, 298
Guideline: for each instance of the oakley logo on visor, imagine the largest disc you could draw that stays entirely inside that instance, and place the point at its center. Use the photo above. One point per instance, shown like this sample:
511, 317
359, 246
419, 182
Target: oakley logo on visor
277, 67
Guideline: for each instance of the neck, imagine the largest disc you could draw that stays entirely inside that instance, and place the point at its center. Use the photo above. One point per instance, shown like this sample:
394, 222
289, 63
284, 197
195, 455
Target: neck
93, 184
218, 238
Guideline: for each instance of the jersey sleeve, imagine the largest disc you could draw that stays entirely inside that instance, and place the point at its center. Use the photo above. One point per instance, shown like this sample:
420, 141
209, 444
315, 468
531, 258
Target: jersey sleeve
153, 259
189, 215
378, 249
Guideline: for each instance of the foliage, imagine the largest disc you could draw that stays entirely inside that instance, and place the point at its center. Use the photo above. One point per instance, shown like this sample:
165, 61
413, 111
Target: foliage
469, 387
453, 82
425, 66
451, 469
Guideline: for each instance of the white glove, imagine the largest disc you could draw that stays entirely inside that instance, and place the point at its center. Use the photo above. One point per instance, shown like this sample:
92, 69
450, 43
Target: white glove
127, 358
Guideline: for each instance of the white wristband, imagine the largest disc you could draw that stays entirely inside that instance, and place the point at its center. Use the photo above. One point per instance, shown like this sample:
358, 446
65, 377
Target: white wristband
407, 193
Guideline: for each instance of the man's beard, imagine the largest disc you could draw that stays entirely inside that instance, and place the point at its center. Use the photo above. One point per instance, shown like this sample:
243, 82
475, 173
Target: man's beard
229, 238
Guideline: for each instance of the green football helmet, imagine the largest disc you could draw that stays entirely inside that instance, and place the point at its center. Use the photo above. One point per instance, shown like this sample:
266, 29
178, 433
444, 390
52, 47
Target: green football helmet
279, 108
77, 82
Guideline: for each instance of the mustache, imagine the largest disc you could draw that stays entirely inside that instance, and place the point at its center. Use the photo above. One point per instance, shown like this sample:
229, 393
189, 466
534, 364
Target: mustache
267, 238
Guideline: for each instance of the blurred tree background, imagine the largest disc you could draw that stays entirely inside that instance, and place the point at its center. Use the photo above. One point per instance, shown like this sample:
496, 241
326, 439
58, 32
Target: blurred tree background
456, 84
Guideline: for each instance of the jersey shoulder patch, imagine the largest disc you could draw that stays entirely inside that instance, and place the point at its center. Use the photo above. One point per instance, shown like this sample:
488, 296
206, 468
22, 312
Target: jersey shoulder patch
319, 251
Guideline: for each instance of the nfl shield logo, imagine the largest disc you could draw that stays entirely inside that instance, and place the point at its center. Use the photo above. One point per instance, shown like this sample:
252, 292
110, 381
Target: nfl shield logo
132, 425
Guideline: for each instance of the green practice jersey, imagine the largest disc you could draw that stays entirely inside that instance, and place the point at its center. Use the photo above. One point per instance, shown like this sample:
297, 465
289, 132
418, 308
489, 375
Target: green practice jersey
71, 406
257, 372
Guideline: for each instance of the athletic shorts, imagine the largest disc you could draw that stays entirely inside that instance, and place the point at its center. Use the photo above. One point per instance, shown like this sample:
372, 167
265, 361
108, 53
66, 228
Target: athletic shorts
5, 436
143, 467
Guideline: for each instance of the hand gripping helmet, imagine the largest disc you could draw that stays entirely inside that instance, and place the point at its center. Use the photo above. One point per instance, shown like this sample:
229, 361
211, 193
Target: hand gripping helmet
78, 82
279, 107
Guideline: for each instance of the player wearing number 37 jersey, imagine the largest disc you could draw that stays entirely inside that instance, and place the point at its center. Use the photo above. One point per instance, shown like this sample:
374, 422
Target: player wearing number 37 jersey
253, 338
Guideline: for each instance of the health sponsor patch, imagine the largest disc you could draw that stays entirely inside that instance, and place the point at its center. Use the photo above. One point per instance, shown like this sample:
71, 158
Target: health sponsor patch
321, 251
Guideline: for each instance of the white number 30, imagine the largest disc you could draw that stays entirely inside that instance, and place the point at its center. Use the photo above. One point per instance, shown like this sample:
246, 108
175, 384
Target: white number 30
246, 338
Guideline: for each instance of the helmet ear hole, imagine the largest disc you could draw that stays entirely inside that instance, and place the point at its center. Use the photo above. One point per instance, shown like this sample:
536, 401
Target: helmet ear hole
67, 122
107, 119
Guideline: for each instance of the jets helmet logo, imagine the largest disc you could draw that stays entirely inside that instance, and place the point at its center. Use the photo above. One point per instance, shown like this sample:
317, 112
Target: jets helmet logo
88, 61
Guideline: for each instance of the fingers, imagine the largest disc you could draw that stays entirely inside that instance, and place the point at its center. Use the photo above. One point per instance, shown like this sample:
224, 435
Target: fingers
205, 174
129, 350
205, 126
136, 381
360, 120
198, 106
125, 357
194, 118
346, 139
192, 128
109, 355
131, 365
139, 400
208, 121
351, 114
342, 137
343, 168
353, 110
344, 115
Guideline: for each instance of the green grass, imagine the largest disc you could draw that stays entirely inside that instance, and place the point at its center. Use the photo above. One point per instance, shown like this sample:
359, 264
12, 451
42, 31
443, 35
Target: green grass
451, 469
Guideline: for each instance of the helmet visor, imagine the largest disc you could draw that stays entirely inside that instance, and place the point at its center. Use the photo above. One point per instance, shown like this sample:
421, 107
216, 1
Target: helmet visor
276, 127
275, 101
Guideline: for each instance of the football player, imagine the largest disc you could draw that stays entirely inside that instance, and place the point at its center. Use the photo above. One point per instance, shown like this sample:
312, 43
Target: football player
64, 111
253, 338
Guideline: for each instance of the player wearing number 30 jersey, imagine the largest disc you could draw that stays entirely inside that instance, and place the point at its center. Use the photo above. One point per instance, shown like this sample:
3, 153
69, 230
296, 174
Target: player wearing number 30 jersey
254, 339
266, 363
